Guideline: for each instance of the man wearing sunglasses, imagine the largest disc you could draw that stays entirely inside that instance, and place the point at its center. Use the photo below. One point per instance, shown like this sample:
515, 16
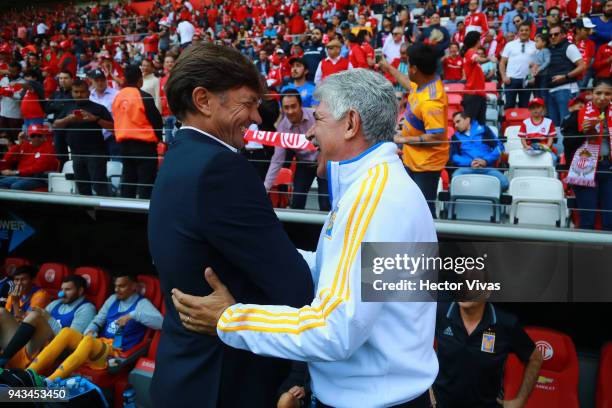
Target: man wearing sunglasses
553, 18
24, 165
514, 67
566, 65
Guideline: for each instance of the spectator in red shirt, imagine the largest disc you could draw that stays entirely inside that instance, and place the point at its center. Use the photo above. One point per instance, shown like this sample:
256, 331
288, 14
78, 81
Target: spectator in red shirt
584, 28
452, 65
474, 100
459, 35
297, 25
32, 99
151, 44
67, 61
24, 164
603, 61
365, 38
476, 20
169, 118
357, 57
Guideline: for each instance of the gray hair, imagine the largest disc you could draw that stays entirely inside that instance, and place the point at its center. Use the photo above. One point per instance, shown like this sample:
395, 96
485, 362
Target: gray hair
369, 94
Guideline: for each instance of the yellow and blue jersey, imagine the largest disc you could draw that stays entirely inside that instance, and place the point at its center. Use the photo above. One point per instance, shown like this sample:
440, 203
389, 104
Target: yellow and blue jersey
425, 113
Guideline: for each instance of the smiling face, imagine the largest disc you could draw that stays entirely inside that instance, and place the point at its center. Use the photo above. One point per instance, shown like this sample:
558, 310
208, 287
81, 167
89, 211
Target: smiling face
232, 112
326, 134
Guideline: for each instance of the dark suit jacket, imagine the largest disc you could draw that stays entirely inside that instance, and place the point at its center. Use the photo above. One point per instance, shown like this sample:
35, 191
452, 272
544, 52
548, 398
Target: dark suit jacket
209, 208
263, 67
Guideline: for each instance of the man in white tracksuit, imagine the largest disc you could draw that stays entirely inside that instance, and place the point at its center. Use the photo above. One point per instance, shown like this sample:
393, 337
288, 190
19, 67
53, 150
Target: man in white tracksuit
359, 354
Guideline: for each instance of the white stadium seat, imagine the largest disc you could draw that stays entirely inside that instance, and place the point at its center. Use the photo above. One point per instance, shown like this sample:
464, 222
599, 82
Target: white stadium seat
523, 165
475, 197
511, 131
58, 184
513, 144
537, 201
114, 169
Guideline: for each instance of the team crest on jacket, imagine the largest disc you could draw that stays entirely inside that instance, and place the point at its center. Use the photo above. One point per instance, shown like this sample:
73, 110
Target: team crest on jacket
330, 224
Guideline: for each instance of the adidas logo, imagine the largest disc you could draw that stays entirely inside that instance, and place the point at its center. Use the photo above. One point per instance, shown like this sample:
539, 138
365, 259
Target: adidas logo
448, 331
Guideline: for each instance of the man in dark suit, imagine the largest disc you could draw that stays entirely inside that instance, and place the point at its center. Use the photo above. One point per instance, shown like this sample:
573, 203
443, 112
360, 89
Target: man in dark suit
263, 64
209, 208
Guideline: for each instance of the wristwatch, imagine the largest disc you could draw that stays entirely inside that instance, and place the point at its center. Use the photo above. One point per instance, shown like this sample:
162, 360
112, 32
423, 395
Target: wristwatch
421, 140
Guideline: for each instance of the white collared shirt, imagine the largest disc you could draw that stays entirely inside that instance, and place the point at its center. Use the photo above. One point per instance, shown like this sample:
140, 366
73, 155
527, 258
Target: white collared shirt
106, 100
232, 148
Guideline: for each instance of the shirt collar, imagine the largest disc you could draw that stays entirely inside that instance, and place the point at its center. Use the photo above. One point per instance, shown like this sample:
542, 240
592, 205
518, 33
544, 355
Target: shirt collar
341, 175
131, 299
232, 148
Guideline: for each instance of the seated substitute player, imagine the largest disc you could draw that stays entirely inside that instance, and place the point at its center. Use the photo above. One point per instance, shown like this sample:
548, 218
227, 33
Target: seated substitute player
474, 340
126, 312
25, 295
40, 325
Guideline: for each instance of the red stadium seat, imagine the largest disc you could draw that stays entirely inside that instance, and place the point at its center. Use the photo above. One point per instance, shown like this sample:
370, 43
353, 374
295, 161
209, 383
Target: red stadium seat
514, 117
151, 289
98, 284
281, 199
459, 88
557, 384
50, 276
116, 378
603, 397
454, 99
491, 88
10, 264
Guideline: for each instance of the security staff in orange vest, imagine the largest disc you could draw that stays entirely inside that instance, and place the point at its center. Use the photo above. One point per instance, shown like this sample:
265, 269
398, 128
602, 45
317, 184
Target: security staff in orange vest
138, 129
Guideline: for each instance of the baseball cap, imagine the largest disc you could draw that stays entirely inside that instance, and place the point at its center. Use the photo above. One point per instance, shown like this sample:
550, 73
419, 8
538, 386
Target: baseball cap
579, 99
584, 22
38, 130
345, 25
96, 74
299, 60
536, 101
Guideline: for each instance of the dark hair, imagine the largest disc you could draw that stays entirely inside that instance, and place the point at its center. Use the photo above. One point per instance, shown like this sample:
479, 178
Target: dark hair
133, 74
78, 280
524, 24
213, 67
562, 29
130, 275
29, 269
67, 73
291, 93
361, 36
79, 82
544, 38
15, 65
351, 38
471, 39
463, 114
34, 73
602, 81
423, 57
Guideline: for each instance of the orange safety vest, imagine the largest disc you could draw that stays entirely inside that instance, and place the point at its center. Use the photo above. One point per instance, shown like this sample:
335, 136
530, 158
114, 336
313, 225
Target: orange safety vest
131, 122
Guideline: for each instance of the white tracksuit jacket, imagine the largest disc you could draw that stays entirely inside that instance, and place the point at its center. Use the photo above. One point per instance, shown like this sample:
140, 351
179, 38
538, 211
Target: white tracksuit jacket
359, 354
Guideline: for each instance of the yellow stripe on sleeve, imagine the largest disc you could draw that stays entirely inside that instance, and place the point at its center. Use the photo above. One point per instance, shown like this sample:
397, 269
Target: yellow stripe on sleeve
309, 313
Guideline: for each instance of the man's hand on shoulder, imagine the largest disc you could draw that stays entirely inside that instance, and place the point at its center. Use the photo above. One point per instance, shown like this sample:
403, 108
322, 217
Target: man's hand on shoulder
202, 313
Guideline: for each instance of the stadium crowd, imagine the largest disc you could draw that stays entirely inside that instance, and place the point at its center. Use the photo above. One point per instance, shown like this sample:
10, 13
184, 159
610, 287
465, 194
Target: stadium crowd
70, 84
